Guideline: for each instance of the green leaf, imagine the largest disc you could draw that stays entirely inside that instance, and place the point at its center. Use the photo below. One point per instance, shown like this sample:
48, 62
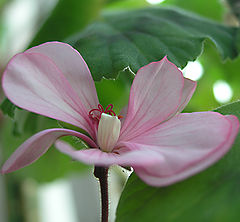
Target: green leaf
8, 108
126, 4
137, 37
215, 8
230, 109
115, 91
68, 17
210, 196
235, 8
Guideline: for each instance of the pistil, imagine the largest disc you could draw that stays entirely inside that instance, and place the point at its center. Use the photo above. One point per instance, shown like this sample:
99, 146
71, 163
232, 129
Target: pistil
108, 132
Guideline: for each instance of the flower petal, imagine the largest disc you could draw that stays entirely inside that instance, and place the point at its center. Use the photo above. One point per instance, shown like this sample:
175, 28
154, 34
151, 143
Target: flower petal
188, 143
155, 95
188, 90
73, 67
123, 114
33, 82
36, 146
100, 158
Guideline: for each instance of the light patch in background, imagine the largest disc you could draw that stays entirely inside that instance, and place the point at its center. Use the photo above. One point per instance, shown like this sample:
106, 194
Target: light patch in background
193, 70
56, 202
20, 20
222, 91
154, 2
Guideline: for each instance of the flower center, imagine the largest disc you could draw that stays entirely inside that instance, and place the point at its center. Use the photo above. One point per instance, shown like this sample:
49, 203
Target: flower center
95, 114
109, 126
108, 132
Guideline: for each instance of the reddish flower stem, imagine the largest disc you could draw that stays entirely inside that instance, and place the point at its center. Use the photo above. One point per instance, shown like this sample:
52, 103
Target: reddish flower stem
102, 174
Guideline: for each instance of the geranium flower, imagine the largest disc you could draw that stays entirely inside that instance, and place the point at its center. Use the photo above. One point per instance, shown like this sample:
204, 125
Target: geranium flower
162, 145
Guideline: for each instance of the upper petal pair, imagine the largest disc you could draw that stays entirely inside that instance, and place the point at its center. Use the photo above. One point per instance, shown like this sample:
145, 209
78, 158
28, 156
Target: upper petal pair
52, 80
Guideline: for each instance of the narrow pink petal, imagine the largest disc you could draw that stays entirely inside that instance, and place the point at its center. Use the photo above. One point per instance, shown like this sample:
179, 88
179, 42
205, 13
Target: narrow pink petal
155, 95
188, 90
123, 114
36, 146
33, 82
187, 143
100, 158
73, 67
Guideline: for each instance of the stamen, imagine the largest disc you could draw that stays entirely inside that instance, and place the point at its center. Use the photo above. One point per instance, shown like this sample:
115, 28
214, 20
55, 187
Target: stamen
109, 110
100, 110
100, 107
97, 113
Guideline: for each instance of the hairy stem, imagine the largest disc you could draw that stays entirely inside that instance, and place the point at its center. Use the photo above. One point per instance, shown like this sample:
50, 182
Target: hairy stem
102, 174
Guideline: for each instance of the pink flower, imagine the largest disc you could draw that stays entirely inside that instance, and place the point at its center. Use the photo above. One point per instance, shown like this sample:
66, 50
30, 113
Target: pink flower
161, 145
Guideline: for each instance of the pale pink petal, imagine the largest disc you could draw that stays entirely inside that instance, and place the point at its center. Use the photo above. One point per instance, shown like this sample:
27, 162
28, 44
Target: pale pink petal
100, 158
36, 146
188, 90
155, 95
33, 82
123, 114
187, 143
73, 67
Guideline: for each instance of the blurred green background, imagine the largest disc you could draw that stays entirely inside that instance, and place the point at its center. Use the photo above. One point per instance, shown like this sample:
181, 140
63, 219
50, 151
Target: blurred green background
25, 23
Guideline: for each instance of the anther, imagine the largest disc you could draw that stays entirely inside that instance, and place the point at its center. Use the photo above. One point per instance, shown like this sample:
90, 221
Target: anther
97, 113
